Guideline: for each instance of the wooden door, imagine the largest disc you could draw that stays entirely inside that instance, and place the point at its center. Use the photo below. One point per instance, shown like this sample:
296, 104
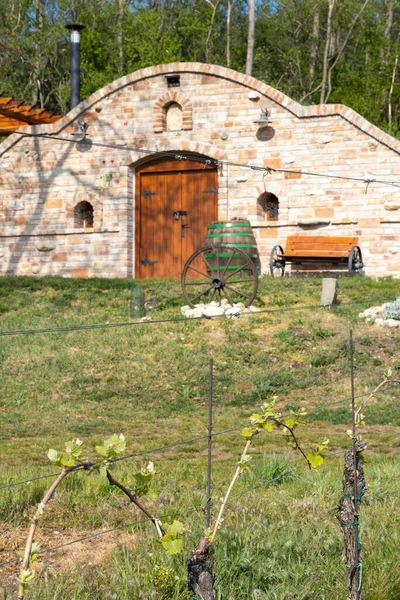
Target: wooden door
175, 203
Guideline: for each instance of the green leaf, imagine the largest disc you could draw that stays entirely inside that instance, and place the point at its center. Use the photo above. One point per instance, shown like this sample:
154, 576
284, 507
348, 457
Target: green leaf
172, 546
268, 426
176, 528
247, 432
102, 450
315, 460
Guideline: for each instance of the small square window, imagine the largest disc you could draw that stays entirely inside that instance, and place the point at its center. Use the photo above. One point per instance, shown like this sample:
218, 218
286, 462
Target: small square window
173, 81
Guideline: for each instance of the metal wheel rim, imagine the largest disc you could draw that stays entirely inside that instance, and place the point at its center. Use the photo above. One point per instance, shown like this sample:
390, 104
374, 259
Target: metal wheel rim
224, 289
355, 256
272, 268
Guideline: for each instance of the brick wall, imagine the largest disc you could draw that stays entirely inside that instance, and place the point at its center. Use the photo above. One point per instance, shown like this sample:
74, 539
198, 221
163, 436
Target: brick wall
42, 180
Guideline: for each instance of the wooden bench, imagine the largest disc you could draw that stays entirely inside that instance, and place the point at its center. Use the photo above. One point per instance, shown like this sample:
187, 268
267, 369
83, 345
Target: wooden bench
301, 248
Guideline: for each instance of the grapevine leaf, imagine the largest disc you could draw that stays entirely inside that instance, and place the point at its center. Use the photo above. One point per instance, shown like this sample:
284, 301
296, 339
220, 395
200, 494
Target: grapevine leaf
247, 432
172, 546
315, 460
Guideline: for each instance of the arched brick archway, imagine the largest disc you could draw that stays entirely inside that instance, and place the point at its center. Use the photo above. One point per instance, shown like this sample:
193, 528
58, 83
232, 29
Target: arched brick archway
160, 106
175, 200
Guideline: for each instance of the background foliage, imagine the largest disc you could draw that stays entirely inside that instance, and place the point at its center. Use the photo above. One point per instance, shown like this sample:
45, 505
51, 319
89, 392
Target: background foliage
292, 38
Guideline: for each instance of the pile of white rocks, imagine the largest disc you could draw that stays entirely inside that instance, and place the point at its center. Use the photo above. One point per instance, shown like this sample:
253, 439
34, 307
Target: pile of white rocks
375, 315
214, 309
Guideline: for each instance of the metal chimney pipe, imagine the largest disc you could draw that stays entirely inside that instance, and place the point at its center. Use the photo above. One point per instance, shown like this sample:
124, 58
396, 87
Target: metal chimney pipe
75, 30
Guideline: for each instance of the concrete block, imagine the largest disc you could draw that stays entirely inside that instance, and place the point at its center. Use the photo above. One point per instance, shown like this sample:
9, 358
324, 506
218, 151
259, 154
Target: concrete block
329, 291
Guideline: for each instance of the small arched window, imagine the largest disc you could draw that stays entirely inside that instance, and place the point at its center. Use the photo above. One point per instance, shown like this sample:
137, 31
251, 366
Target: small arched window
173, 117
83, 215
270, 206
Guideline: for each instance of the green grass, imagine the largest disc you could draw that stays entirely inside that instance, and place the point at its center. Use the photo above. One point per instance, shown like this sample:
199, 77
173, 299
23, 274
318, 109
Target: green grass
151, 382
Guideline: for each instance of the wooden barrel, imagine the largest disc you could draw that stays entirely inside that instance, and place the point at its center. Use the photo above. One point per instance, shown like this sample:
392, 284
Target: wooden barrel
234, 234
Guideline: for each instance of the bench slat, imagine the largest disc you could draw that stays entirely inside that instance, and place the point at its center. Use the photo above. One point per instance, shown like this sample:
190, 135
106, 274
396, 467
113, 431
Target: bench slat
321, 238
315, 254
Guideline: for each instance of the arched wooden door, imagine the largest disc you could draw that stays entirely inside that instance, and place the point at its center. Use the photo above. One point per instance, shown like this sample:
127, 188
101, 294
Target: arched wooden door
175, 202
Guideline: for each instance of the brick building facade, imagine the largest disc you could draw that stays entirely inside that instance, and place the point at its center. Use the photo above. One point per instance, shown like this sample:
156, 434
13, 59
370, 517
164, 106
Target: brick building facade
69, 208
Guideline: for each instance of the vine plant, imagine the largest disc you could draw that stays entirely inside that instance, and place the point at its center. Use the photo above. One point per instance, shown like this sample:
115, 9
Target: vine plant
200, 563
70, 461
201, 576
354, 492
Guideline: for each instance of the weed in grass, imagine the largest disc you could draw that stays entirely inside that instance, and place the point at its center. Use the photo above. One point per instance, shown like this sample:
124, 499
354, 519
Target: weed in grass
322, 359
324, 332
366, 340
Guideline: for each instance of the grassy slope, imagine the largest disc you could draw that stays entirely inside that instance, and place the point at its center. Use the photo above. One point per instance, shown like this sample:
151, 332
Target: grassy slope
151, 382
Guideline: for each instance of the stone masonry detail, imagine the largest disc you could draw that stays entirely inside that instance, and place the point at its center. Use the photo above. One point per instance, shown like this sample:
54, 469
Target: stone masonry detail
42, 180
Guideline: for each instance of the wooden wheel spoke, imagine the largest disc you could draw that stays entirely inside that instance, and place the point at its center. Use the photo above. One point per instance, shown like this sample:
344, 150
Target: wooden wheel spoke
228, 263
237, 292
201, 294
201, 272
227, 295
197, 283
237, 271
208, 264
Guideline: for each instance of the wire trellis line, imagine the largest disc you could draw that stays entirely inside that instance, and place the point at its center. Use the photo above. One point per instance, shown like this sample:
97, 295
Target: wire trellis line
192, 440
169, 516
368, 180
183, 513
185, 319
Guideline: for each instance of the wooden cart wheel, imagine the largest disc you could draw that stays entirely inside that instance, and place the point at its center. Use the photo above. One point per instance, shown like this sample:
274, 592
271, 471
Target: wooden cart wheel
277, 262
355, 263
219, 272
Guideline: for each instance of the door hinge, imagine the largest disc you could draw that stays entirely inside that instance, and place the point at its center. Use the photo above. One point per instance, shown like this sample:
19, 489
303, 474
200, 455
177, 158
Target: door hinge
147, 194
213, 191
147, 261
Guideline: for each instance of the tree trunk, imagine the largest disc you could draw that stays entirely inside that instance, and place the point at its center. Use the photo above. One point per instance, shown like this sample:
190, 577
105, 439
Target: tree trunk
314, 47
120, 35
328, 44
37, 96
394, 72
208, 40
228, 33
384, 53
200, 567
250, 38
348, 515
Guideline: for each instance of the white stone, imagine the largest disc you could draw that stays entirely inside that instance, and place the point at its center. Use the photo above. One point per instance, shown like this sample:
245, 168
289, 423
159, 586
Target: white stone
241, 178
324, 139
213, 311
391, 205
392, 322
35, 270
45, 246
253, 96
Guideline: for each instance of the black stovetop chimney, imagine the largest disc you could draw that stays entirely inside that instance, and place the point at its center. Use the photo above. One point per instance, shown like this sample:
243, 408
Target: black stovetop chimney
75, 30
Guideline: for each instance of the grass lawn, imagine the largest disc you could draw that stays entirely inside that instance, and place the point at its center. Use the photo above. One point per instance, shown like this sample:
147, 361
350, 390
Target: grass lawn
150, 381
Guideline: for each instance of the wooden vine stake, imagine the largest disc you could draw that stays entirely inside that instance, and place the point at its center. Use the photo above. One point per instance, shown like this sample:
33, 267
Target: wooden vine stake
353, 491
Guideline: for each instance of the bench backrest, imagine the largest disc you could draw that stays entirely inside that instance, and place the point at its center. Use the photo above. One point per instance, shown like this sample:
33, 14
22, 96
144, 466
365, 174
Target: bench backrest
319, 246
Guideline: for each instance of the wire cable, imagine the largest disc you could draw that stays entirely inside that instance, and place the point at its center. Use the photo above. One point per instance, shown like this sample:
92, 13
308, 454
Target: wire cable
266, 169
185, 319
191, 440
